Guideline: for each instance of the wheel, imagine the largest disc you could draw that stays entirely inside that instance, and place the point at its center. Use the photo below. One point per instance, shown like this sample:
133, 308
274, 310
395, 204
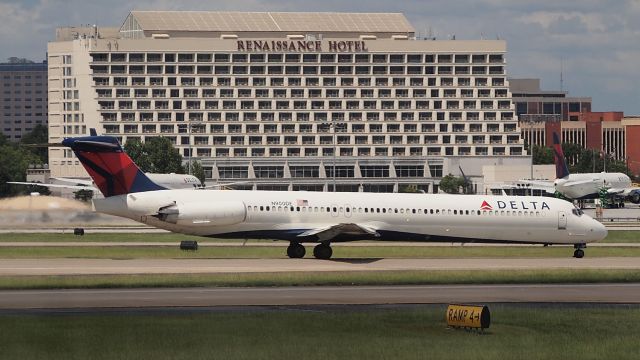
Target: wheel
296, 251
579, 254
322, 251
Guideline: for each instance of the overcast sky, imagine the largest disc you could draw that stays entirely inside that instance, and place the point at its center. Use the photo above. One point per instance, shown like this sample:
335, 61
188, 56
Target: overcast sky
598, 42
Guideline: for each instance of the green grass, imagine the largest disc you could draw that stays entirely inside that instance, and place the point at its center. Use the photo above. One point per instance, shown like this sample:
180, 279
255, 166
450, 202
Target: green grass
417, 333
623, 236
614, 236
256, 252
416, 277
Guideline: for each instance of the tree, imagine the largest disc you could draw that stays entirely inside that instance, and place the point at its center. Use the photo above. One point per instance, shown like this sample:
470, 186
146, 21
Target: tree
13, 167
197, 170
135, 150
83, 195
542, 155
38, 136
157, 155
451, 184
412, 189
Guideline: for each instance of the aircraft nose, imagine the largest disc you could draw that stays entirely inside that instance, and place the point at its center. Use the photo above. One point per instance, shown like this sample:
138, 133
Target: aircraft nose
598, 230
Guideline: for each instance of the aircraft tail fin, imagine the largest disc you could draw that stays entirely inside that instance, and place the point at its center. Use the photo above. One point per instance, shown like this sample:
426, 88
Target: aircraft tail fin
562, 170
112, 170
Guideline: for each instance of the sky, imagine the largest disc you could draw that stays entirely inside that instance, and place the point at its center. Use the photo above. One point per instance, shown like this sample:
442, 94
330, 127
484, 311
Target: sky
595, 44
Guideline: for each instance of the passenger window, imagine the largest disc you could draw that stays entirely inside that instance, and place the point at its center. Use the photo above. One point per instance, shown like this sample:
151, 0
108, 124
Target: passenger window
261, 208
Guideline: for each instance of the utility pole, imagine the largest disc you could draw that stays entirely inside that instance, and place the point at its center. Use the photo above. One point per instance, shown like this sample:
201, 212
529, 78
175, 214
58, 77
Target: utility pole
190, 154
333, 125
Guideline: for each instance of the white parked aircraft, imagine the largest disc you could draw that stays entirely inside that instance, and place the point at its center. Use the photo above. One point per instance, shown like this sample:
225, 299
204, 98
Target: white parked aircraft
587, 185
300, 217
168, 181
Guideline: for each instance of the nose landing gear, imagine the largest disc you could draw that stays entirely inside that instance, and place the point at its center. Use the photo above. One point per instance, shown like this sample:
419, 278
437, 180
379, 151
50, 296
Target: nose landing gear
578, 253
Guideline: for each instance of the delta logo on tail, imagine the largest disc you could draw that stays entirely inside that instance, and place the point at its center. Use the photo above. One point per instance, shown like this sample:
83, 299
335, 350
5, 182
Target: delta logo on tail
485, 206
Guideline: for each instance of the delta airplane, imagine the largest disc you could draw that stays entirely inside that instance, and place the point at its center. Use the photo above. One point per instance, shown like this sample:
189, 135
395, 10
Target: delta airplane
323, 218
587, 185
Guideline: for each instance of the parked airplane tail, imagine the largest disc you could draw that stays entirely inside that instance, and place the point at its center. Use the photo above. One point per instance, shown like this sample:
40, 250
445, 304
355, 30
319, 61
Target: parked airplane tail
562, 170
112, 170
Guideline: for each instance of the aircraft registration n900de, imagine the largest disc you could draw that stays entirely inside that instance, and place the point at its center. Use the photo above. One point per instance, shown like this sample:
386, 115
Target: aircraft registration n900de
323, 218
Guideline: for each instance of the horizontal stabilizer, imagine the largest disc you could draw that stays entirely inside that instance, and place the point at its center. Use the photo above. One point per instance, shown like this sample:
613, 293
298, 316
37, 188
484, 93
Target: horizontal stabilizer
62, 186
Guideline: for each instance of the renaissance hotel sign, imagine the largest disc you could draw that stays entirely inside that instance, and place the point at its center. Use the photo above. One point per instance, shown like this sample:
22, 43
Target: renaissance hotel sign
302, 45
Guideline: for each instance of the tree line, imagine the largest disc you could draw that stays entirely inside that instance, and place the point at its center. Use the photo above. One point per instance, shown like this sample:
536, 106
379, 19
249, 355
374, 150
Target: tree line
581, 160
156, 155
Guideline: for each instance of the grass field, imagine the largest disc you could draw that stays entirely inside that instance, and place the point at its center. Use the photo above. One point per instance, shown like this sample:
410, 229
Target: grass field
557, 276
326, 333
615, 236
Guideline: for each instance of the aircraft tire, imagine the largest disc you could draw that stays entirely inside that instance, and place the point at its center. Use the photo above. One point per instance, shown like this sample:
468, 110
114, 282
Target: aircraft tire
322, 252
296, 251
578, 254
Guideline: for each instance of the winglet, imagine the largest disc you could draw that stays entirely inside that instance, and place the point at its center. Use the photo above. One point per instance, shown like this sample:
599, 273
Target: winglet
112, 170
562, 170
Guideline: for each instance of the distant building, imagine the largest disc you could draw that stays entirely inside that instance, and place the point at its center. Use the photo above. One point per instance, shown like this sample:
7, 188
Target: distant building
276, 99
24, 98
543, 112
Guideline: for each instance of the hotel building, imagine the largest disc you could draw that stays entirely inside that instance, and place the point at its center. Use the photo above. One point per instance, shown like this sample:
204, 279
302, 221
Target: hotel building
289, 100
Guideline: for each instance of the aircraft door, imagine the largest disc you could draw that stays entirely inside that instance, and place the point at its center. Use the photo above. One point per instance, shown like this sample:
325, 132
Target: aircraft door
562, 220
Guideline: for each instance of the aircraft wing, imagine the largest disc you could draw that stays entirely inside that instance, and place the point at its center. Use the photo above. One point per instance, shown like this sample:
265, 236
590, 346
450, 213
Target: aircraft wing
75, 181
540, 183
329, 232
72, 187
223, 185
548, 186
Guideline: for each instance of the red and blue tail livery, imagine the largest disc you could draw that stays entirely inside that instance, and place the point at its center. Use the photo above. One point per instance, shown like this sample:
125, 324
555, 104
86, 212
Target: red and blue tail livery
109, 166
562, 170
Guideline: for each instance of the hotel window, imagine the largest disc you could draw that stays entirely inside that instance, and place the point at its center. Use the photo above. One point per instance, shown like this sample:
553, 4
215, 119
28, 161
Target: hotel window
304, 171
341, 171
271, 172
376, 171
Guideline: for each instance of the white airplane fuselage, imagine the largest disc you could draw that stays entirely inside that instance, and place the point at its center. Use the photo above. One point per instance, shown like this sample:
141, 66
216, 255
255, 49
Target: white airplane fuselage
587, 186
413, 217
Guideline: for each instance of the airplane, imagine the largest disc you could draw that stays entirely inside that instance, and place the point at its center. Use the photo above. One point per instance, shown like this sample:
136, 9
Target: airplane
588, 185
169, 181
325, 218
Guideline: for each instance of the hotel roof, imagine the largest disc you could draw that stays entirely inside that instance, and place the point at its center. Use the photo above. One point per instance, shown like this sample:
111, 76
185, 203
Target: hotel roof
291, 22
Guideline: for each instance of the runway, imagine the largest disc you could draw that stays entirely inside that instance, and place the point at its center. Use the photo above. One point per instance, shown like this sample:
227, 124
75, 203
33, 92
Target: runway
363, 295
280, 244
18, 267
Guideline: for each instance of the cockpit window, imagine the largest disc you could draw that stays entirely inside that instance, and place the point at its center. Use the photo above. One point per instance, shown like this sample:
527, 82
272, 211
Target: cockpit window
577, 212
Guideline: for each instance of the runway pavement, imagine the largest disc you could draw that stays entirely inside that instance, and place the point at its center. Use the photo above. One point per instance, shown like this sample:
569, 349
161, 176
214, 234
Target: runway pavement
425, 294
18, 267
281, 244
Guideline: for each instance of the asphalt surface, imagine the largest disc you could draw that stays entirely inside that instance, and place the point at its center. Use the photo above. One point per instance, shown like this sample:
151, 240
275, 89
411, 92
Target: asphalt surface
364, 295
19, 267
281, 244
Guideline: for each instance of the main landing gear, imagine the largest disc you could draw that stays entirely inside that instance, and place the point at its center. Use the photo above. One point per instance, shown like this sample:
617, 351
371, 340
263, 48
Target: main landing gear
578, 253
296, 251
322, 251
